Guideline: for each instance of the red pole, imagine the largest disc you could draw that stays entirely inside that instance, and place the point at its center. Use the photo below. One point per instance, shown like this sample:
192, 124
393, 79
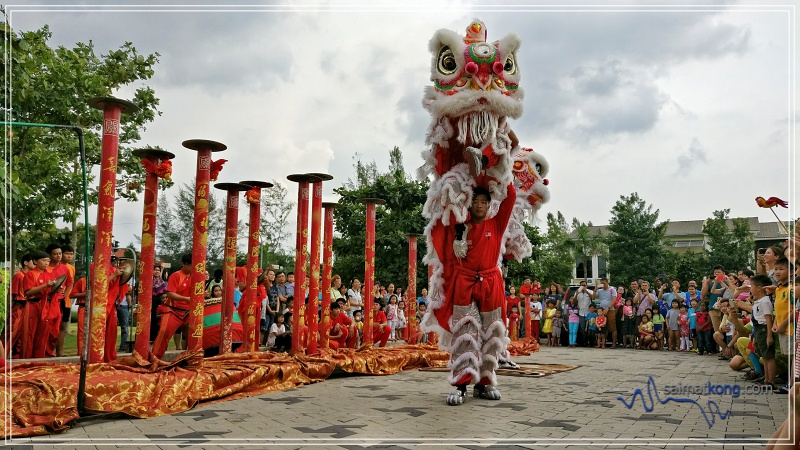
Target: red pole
300, 281
157, 165
369, 266
229, 271
431, 335
199, 238
327, 264
248, 308
98, 304
411, 292
314, 287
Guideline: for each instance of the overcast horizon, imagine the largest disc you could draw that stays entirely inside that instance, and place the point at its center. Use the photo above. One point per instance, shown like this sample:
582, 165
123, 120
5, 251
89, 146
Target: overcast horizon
691, 107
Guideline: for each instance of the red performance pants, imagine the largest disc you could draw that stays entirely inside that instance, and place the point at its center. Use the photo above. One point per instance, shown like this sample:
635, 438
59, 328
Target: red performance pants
380, 335
16, 320
171, 320
344, 341
478, 326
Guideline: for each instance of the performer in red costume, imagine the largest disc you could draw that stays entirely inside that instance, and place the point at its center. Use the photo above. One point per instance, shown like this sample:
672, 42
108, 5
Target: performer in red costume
343, 333
174, 310
472, 311
36, 287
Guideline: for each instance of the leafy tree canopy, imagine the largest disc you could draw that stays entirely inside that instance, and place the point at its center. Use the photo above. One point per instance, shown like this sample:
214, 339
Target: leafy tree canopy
401, 214
52, 86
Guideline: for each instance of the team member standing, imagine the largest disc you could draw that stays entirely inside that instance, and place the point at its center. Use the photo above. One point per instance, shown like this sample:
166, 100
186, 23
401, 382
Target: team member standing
473, 295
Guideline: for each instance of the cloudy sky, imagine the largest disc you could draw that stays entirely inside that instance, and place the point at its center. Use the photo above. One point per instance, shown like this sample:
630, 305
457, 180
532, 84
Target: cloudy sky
691, 107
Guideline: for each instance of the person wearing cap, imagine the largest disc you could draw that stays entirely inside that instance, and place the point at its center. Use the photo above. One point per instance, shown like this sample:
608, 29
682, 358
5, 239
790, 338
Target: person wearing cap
18, 306
36, 286
174, 310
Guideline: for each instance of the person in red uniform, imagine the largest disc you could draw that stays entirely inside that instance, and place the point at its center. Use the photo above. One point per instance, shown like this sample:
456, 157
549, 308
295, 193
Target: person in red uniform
380, 326
36, 286
67, 256
174, 311
343, 332
56, 303
474, 295
18, 307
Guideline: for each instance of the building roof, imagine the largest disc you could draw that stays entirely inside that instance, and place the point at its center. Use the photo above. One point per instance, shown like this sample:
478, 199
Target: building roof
682, 228
772, 230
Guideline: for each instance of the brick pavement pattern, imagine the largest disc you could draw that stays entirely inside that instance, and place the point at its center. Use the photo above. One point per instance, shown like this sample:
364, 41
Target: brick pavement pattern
569, 409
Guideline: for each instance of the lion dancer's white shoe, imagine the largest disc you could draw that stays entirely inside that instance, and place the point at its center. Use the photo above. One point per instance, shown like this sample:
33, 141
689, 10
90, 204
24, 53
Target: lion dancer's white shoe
486, 392
458, 396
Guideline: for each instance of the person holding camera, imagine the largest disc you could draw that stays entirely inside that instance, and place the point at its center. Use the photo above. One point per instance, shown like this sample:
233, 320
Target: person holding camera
583, 296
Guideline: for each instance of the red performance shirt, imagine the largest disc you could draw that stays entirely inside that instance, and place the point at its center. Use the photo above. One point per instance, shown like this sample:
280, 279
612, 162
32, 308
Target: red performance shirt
342, 320
33, 279
379, 319
181, 284
57, 271
17, 292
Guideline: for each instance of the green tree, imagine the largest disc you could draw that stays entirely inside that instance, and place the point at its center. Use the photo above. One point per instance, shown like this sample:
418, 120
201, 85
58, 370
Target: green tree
730, 241
529, 267
401, 214
688, 266
555, 258
586, 243
52, 85
635, 241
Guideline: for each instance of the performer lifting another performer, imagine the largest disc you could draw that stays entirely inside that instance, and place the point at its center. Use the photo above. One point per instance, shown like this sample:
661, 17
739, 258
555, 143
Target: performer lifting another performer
473, 295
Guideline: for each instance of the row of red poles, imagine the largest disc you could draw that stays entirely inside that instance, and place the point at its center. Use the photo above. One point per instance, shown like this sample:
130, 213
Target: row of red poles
304, 320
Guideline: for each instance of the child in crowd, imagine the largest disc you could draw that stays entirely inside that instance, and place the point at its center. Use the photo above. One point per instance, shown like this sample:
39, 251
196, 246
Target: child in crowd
555, 334
705, 343
574, 322
692, 312
628, 325
422, 337
783, 328
657, 321
401, 317
683, 324
591, 325
276, 332
646, 339
601, 322
763, 315
358, 318
513, 323
674, 326
391, 315
549, 313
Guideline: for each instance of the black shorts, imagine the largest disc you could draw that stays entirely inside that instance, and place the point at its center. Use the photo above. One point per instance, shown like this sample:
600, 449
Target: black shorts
65, 312
762, 349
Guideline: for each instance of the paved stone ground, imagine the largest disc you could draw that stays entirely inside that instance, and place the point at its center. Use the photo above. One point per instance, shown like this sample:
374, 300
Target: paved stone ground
574, 409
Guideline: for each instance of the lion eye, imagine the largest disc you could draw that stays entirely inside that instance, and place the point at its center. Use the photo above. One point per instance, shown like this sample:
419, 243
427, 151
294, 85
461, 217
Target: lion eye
510, 67
447, 61
538, 168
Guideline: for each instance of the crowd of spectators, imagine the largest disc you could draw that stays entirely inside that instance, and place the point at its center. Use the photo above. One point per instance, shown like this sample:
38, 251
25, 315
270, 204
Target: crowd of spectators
744, 317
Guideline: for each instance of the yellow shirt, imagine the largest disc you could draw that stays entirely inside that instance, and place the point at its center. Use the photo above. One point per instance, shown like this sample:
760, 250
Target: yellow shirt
782, 307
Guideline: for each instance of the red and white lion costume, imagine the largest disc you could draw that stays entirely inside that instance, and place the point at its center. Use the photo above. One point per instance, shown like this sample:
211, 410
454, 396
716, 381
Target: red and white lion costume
476, 89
